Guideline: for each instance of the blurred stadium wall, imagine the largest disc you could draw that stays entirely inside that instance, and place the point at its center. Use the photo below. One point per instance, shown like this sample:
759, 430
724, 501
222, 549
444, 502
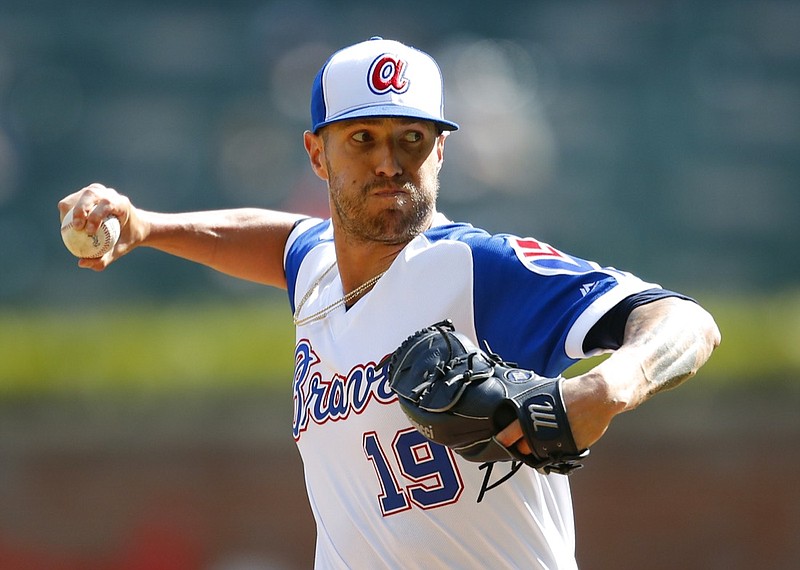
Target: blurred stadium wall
660, 136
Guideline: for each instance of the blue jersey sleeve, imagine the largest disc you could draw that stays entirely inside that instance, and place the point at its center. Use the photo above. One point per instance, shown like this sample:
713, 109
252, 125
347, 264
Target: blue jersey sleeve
533, 304
306, 235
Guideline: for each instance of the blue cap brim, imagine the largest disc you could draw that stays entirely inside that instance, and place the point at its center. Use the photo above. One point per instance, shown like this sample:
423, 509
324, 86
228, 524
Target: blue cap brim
381, 111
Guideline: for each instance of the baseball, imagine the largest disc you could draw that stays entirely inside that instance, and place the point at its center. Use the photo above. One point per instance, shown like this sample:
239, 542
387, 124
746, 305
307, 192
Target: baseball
82, 244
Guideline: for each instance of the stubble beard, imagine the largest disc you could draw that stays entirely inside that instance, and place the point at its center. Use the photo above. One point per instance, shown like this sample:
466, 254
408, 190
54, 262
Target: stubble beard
399, 223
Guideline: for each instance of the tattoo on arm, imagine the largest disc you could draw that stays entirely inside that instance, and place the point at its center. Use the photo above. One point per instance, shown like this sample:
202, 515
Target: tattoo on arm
674, 348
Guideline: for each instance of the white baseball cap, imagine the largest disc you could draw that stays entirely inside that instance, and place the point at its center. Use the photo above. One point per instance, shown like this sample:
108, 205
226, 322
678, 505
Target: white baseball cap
378, 78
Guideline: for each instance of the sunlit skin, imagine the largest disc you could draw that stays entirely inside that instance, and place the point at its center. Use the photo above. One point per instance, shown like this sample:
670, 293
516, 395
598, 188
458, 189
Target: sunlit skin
383, 181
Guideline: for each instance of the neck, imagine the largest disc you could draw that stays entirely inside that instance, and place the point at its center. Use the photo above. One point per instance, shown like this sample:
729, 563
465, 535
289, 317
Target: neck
361, 259
357, 265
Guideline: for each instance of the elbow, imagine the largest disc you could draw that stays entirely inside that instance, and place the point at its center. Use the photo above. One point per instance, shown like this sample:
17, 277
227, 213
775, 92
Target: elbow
707, 337
717, 335
703, 334
710, 331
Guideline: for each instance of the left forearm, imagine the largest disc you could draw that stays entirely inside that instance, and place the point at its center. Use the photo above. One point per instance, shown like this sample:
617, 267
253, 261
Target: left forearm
665, 343
668, 341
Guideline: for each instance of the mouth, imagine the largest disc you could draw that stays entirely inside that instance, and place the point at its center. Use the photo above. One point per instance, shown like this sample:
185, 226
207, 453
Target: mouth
388, 190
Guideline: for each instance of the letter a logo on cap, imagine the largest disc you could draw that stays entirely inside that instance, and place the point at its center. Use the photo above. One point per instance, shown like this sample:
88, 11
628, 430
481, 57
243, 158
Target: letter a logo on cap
386, 74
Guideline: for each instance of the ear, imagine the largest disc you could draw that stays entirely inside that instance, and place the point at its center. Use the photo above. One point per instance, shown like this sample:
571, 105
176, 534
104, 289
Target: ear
315, 148
440, 147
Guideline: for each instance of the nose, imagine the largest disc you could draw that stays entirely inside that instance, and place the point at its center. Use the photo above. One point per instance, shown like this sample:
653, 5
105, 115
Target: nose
387, 159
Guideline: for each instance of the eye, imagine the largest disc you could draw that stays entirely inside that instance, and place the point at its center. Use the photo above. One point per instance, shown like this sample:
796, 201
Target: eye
361, 136
412, 136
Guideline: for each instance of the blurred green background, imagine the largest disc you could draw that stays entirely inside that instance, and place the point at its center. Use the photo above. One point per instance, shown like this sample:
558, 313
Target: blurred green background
659, 137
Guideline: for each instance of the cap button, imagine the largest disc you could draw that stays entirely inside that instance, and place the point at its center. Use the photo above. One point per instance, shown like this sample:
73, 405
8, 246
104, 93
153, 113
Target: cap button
376, 38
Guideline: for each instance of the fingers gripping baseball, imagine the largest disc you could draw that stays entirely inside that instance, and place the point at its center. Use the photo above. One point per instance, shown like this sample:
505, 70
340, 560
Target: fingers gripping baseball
96, 225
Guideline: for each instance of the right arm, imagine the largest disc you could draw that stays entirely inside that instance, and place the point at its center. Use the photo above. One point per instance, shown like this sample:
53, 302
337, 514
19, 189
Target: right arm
247, 243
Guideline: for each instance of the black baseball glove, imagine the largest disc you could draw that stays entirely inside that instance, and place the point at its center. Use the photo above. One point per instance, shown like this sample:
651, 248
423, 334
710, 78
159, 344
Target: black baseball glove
457, 395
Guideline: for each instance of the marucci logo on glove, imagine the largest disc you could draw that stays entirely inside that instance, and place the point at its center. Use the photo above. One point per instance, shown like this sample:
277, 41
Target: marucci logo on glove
427, 431
543, 414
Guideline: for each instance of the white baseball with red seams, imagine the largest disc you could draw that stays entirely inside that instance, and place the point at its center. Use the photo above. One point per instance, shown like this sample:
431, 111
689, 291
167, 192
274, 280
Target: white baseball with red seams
85, 245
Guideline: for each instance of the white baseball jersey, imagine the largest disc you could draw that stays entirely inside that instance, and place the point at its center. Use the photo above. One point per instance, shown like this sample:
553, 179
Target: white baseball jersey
382, 495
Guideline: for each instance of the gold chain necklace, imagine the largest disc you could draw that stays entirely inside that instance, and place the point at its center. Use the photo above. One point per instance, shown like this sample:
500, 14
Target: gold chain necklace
325, 311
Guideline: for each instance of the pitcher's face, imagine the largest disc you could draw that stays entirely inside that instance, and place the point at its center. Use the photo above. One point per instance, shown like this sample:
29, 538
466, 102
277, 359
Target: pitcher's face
382, 175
